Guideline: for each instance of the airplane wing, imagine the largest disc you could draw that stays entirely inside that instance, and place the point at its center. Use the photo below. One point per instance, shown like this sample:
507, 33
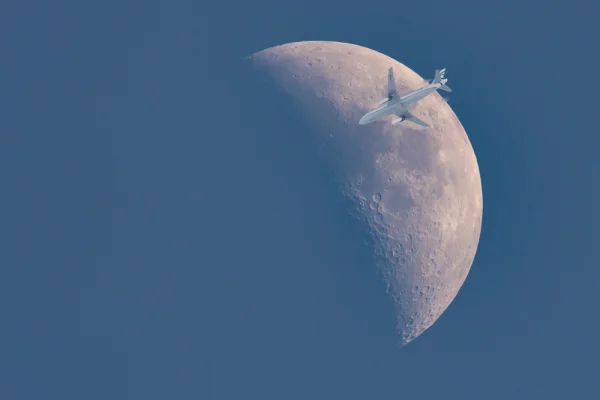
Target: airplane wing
414, 120
391, 84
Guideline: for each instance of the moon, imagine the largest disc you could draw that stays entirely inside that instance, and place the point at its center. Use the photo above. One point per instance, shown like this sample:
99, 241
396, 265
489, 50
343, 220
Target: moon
416, 189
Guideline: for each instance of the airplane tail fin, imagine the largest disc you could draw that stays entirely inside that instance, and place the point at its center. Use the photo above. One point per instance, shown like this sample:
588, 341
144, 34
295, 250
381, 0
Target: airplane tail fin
439, 78
439, 75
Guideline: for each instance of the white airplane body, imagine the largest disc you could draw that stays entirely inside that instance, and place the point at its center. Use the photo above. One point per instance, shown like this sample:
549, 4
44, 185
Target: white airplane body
398, 105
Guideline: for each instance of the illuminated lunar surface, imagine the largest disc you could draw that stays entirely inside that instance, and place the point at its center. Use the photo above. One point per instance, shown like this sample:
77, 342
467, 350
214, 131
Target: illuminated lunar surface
417, 190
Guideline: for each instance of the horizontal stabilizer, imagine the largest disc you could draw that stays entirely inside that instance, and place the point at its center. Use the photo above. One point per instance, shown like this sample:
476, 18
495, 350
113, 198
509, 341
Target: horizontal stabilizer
445, 88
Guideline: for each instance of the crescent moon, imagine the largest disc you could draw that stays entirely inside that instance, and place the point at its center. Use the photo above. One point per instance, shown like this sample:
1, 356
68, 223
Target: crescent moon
418, 190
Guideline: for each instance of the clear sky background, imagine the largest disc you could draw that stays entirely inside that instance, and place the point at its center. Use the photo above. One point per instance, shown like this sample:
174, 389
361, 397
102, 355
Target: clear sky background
158, 240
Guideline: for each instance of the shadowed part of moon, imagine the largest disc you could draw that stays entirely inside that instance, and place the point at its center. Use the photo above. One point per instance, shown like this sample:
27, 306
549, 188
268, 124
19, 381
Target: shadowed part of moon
418, 190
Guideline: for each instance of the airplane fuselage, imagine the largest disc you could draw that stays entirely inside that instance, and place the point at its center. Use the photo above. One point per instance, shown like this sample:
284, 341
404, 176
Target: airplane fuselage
399, 105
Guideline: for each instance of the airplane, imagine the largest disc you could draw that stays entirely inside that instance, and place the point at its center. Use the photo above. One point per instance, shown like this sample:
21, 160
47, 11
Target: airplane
398, 105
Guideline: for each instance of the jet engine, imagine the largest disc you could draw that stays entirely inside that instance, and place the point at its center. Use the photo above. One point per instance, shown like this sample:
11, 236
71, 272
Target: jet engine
397, 121
382, 102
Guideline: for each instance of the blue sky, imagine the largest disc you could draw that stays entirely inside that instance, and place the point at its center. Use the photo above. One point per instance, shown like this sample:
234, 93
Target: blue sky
155, 244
